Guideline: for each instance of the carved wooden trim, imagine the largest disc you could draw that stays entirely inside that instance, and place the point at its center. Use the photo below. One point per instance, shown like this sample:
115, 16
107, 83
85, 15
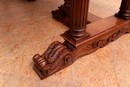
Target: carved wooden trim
60, 55
79, 39
100, 38
104, 42
62, 14
54, 58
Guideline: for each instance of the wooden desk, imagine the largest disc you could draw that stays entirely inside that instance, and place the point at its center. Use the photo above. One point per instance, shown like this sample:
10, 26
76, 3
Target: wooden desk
80, 39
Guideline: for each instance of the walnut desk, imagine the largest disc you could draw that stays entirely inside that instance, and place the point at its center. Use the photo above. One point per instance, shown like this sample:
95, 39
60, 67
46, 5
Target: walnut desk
81, 39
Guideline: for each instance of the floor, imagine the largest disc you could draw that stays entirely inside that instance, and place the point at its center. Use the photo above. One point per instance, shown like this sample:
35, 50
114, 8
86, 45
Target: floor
24, 30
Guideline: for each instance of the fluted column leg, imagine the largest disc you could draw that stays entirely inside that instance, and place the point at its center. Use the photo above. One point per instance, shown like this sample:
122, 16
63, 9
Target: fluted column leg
124, 10
78, 18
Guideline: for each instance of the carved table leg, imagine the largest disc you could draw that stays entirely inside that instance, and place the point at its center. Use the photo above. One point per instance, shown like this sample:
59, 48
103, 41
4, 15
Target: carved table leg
124, 10
63, 14
79, 39
78, 19
58, 55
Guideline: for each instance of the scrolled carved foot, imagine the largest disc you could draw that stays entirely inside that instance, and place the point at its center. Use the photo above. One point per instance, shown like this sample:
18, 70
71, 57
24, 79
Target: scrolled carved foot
56, 57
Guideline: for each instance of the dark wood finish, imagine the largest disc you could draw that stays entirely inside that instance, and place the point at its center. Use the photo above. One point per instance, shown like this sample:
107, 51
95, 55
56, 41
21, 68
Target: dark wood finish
63, 14
56, 56
124, 9
78, 18
80, 39
31, 0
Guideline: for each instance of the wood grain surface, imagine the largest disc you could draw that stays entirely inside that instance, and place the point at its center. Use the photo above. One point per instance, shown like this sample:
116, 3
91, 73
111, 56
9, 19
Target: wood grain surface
24, 27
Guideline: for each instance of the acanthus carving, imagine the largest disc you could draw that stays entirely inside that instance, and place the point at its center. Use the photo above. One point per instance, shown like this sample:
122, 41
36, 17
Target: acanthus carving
102, 43
63, 12
55, 57
59, 56
77, 43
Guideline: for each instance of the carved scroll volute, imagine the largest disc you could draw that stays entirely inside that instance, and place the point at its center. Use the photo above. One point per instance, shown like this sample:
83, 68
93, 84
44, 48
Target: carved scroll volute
124, 10
56, 56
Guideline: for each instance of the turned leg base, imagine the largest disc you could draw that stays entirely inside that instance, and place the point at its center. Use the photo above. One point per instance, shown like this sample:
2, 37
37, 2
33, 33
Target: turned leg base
124, 16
